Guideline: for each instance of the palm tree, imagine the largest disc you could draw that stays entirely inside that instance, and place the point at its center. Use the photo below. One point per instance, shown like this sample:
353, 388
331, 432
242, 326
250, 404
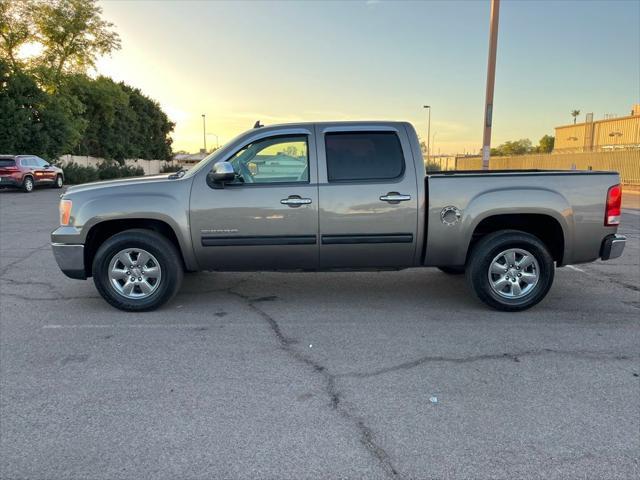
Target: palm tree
574, 114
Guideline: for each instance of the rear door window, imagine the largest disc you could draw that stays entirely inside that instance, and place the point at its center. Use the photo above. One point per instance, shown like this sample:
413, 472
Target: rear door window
363, 156
7, 162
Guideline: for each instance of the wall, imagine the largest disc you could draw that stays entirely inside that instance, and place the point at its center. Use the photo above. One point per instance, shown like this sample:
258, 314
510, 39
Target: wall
617, 132
150, 167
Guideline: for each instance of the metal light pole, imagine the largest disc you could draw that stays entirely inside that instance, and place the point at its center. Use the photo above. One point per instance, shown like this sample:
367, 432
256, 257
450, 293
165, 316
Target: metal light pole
491, 78
428, 107
204, 132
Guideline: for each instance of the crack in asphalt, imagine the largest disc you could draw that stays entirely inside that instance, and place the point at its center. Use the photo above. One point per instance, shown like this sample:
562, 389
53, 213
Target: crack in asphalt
4, 270
514, 357
367, 437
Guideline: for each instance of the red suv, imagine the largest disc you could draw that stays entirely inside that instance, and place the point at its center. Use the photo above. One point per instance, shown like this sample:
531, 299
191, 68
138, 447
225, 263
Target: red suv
27, 171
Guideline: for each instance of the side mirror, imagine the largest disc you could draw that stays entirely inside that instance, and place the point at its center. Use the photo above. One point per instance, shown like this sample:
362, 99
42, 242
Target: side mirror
222, 172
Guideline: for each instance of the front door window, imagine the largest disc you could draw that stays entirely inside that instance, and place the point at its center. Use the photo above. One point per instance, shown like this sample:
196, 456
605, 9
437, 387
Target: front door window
283, 159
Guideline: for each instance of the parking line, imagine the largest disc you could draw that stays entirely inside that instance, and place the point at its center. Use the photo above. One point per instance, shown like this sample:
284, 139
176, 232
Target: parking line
140, 325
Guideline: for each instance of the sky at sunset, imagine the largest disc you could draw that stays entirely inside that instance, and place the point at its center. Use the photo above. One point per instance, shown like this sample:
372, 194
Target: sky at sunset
303, 61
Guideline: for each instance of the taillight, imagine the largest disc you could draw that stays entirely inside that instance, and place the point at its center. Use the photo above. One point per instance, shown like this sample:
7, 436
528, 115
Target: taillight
65, 212
614, 205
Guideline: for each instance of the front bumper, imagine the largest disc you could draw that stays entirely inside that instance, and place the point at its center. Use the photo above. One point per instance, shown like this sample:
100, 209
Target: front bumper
612, 246
70, 259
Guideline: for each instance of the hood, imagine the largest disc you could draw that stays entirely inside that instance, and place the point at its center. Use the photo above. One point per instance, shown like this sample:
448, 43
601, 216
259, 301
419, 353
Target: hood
118, 182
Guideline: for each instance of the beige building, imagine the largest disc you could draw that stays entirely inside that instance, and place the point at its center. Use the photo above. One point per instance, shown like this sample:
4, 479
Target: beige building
617, 133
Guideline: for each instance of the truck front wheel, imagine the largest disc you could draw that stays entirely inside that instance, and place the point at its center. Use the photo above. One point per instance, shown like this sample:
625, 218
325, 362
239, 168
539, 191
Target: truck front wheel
137, 270
510, 270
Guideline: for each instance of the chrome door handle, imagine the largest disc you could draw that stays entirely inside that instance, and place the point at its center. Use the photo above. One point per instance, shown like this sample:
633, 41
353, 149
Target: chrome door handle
395, 197
295, 201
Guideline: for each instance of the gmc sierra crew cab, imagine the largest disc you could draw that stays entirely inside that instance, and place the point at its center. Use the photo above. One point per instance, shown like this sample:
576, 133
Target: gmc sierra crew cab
335, 196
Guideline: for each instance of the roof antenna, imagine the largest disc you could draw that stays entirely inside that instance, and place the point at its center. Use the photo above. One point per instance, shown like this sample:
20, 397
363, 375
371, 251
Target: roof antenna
257, 124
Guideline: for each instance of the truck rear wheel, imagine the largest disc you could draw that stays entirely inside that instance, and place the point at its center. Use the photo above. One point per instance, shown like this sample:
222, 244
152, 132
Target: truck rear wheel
510, 270
137, 270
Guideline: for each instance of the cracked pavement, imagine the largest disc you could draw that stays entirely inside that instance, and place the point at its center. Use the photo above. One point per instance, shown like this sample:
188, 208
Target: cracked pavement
313, 375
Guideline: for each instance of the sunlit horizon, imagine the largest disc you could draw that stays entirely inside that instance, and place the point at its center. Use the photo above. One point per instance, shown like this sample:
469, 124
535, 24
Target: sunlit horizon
279, 62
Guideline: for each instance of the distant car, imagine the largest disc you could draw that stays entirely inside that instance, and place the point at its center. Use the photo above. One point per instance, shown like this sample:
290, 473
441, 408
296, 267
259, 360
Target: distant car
28, 171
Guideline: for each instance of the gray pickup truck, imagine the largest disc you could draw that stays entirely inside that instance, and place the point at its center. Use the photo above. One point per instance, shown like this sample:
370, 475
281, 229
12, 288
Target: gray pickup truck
335, 196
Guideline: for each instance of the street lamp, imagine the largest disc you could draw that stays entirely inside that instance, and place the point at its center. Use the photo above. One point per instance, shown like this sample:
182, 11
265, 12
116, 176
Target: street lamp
428, 107
217, 142
204, 132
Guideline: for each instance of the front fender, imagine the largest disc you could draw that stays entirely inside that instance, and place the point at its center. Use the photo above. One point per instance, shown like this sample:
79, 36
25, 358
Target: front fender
93, 207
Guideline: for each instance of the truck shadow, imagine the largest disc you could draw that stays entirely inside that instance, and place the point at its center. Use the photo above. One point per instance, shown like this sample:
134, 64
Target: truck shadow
396, 290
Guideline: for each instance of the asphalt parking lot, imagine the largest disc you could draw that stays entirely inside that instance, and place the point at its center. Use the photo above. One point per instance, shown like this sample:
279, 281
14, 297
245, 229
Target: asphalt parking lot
327, 375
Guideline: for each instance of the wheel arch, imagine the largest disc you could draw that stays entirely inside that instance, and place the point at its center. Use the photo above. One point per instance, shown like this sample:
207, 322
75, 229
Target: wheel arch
100, 232
543, 226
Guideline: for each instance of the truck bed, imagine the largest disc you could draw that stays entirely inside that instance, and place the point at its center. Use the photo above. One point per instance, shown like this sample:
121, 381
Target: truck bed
572, 202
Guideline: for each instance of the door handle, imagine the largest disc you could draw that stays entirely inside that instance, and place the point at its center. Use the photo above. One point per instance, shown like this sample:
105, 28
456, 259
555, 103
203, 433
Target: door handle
295, 201
395, 197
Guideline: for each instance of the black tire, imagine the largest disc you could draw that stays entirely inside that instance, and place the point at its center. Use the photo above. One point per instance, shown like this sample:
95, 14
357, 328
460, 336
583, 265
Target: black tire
27, 184
486, 250
452, 270
160, 247
58, 182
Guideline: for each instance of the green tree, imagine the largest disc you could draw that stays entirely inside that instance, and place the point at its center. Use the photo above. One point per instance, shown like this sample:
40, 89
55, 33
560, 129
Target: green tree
545, 145
517, 147
106, 111
73, 35
574, 114
152, 130
32, 121
49, 106
121, 121
15, 29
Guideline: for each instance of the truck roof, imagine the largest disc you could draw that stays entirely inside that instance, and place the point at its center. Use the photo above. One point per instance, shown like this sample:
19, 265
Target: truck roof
338, 123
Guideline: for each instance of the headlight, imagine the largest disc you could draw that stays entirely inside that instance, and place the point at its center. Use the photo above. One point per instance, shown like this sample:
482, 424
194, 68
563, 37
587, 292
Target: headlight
65, 212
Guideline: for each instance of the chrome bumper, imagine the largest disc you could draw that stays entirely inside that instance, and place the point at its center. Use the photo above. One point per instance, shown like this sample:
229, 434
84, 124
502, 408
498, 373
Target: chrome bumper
70, 259
612, 246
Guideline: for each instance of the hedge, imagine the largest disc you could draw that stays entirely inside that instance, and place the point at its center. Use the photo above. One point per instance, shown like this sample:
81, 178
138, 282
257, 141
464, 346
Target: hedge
75, 174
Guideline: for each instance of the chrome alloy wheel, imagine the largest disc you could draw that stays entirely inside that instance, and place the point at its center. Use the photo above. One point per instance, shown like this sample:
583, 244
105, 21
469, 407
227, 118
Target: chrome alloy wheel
134, 273
514, 273
59, 181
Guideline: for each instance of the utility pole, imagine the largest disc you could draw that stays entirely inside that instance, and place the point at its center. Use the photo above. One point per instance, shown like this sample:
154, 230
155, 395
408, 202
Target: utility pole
491, 78
428, 107
204, 132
